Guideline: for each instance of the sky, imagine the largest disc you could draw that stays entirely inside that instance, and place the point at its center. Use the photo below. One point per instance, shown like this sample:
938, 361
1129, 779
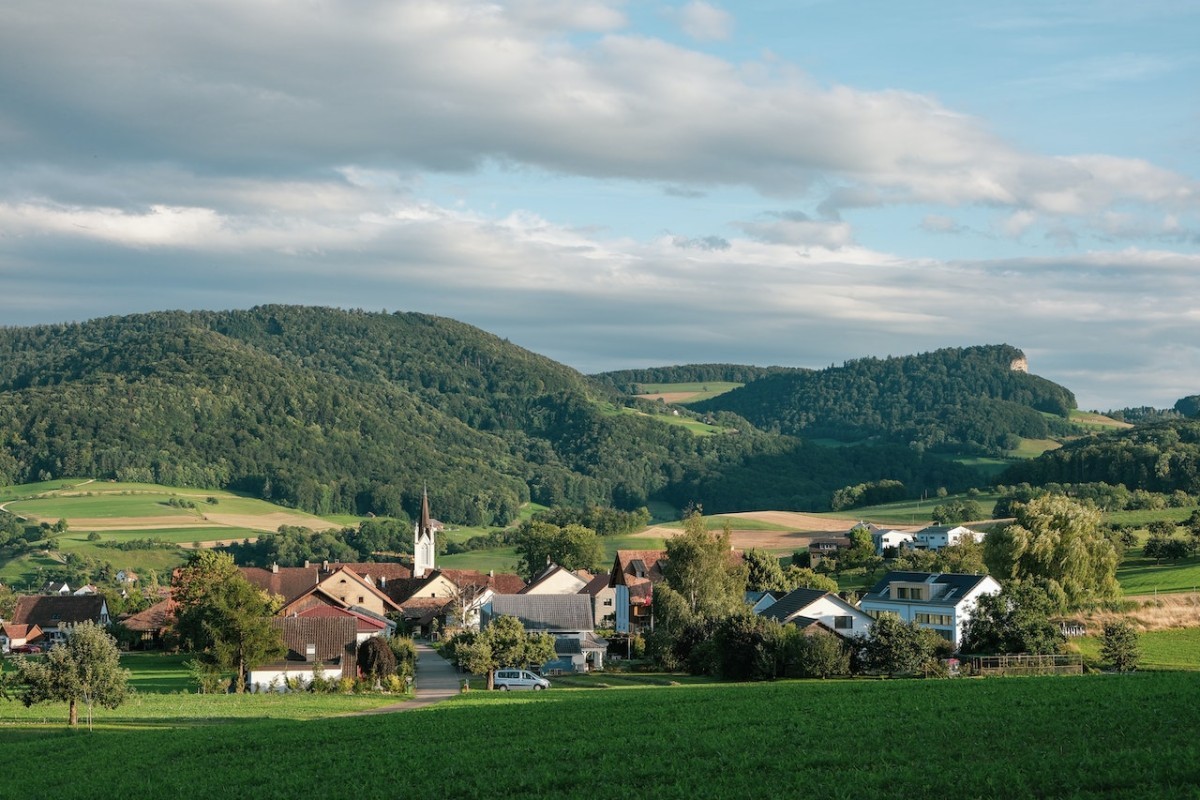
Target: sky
619, 185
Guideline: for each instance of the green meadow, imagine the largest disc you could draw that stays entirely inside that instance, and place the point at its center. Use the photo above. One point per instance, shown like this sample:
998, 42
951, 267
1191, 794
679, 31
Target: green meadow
1175, 649
1083, 737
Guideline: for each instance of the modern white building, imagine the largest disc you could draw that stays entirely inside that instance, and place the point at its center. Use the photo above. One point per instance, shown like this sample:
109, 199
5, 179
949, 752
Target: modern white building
883, 538
935, 537
942, 602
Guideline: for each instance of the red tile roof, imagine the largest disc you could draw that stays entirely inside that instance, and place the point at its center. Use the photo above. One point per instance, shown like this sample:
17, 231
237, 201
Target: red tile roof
157, 617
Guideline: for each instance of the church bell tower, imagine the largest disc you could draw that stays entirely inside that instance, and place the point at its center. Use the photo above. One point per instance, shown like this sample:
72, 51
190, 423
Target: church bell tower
423, 544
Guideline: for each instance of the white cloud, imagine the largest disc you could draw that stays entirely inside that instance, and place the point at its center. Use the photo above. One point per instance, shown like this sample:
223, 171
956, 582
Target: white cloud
704, 21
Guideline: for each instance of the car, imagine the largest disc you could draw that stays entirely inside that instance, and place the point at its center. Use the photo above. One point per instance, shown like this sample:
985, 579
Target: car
510, 679
26, 648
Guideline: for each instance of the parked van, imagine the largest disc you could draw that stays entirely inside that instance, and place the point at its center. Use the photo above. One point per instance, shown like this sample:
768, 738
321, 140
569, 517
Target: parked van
507, 679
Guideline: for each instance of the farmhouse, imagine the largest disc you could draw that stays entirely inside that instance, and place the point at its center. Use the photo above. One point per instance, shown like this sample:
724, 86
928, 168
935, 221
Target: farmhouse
941, 602
633, 575
14, 635
328, 645
566, 617
55, 615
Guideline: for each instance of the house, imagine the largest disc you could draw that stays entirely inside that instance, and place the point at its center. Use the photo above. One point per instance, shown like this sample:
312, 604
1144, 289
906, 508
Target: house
153, 624
54, 587
87, 588
328, 645
633, 575
935, 537
56, 614
329, 584
451, 597
806, 607
368, 624
14, 635
761, 601
886, 539
556, 580
569, 618
603, 598
941, 602
819, 549
127, 576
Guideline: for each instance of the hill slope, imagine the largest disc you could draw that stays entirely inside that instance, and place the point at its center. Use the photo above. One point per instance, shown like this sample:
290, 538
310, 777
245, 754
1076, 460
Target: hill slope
347, 411
974, 399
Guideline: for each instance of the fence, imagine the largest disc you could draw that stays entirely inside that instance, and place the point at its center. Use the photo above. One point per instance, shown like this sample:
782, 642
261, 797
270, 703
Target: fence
1071, 664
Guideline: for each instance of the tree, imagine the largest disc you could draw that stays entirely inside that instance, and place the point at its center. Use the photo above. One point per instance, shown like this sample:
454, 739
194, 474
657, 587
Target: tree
571, 547
87, 669
816, 655
699, 567
224, 617
894, 646
795, 577
1056, 544
861, 552
376, 659
503, 643
1120, 647
1017, 620
763, 573
957, 511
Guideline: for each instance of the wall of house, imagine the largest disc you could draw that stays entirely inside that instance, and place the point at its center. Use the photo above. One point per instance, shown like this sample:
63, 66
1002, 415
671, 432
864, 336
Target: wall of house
604, 607
826, 610
561, 582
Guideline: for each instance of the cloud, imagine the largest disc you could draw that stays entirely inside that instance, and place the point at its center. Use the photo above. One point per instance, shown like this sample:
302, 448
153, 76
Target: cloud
702, 243
938, 223
703, 21
795, 228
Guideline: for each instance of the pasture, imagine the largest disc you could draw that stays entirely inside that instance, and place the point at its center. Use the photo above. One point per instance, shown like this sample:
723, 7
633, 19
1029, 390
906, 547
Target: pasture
1174, 649
1093, 736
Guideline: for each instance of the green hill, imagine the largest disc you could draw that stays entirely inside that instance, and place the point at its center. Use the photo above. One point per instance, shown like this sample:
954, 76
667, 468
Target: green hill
353, 412
960, 400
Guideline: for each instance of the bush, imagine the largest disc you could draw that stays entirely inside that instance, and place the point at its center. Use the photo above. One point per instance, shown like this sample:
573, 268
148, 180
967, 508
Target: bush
1120, 648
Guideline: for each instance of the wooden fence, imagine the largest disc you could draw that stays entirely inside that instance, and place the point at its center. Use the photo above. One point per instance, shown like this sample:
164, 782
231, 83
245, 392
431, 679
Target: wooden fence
1071, 664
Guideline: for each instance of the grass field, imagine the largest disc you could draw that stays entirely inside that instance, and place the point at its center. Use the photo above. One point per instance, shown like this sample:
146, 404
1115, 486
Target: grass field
684, 393
1177, 649
1094, 736
1140, 575
907, 512
504, 559
1095, 421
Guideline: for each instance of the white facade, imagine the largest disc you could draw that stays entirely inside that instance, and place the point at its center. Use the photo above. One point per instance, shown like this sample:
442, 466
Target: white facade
944, 608
890, 538
939, 536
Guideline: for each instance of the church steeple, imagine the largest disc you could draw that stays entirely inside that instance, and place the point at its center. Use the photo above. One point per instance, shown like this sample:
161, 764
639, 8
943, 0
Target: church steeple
423, 541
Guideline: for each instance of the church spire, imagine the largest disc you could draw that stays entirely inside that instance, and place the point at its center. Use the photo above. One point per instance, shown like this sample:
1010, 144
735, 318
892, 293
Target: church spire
423, 540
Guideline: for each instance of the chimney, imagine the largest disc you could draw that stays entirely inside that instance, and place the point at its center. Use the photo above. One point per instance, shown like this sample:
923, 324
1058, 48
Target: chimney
324, 566
306, 563
491, 573
382, 581
274, 568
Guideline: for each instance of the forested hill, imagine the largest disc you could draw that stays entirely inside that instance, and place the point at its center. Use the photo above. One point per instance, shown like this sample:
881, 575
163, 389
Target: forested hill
973, 399
343, 411
1159, 456
630, 381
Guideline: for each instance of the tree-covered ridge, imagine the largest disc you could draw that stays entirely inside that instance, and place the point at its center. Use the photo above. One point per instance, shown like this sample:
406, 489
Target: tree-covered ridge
957, 398
629, 381
348, 411
1157, 456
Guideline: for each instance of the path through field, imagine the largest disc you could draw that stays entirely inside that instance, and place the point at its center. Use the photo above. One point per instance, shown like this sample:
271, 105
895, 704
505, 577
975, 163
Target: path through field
436, 680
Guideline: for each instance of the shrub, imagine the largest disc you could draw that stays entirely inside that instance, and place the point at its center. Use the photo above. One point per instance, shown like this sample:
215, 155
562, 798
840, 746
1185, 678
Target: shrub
1120, 646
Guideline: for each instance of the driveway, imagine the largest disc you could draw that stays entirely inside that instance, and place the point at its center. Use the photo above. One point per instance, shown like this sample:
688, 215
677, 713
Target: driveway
436, 680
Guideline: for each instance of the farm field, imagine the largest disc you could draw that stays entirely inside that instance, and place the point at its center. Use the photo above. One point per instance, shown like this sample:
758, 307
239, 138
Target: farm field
906, 513
1093, 736
504, 559
684, 393
1140, 575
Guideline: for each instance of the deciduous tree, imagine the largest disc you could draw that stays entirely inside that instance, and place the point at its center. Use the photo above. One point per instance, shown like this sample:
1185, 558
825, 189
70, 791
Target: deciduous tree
1056, 544
700, 567
1120, 647
85, 669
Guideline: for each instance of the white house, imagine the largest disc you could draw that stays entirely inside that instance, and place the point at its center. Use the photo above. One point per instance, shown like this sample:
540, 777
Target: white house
810, 606
941, 602
884, 538
935, 537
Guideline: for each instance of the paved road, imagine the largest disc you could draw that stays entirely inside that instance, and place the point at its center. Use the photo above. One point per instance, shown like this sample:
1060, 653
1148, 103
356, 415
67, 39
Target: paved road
436, 680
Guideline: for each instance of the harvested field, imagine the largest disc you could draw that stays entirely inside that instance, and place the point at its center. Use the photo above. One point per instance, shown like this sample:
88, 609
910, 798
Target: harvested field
670, 397
270, 522
102, 524
802, 529
1151, 613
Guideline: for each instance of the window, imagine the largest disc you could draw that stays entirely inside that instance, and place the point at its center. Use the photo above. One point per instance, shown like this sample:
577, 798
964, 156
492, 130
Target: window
361, 599
843, 623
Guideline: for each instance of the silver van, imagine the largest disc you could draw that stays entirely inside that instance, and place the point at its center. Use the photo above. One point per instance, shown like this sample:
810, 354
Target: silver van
507, 679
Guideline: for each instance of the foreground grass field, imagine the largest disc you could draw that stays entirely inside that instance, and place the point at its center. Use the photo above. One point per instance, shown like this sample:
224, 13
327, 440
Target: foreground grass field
1095, 736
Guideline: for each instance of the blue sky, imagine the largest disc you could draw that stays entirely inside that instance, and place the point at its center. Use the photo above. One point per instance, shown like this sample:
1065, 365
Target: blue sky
618, 184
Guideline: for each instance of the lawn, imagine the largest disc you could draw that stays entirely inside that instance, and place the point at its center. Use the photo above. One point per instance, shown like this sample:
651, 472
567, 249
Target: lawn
1092, 736
1140, 575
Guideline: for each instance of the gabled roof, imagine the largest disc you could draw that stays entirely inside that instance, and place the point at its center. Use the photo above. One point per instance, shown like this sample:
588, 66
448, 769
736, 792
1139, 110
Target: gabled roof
365, 623
550, 572
335, 638
596, 585
957, 586
631, 567
54, 587
793, 602
543, 612
15, 631
288, 582
388, 570
51, 611
155, 618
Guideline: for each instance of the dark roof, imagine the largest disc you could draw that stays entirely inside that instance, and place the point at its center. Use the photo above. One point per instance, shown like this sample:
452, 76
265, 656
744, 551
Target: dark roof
793, 601
336, 640
958, 585
566, 646
544, 612
51, 611
596, 585
389, 570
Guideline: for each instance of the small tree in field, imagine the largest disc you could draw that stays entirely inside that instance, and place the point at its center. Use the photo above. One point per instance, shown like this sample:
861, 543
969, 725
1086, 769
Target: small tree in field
1120, 647
86, 669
